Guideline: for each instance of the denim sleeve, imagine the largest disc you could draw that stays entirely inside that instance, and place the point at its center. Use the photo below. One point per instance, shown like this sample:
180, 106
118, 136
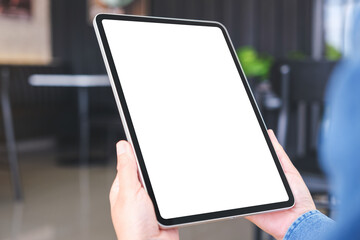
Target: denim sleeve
310, 225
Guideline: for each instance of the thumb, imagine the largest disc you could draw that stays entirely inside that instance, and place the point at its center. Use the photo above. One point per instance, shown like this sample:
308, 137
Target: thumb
126, 181
285, 161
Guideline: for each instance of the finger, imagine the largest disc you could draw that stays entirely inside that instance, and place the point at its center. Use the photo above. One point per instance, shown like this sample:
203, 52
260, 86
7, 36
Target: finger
127, 174
283, 157
114, 191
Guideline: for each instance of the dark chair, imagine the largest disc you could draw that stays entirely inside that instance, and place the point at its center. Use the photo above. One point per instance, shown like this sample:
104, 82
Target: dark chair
302, 86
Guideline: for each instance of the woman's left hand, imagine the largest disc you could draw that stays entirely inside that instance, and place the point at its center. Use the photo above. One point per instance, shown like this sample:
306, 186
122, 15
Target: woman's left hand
132, 211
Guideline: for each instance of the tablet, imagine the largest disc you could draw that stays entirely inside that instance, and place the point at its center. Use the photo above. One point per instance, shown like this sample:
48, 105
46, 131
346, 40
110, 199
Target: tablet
201, 145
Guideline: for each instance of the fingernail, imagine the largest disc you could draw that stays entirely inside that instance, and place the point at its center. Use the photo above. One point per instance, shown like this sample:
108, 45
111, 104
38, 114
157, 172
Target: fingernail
121, 147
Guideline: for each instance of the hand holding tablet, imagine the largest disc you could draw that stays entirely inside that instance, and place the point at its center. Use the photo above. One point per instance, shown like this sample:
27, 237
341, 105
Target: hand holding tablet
277, 223
199, 140
133, 213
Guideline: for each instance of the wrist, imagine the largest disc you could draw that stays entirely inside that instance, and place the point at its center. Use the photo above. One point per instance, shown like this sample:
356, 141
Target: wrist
312, 224
290, 221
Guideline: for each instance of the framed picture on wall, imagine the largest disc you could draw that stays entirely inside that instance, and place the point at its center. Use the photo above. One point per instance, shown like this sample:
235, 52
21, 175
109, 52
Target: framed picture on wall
25, 32
133, 7
15, 8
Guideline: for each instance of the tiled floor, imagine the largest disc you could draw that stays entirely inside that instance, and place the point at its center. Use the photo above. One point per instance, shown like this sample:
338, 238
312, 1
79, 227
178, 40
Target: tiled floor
72, 203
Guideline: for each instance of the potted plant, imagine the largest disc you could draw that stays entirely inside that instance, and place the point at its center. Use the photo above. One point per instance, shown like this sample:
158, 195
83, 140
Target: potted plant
257, 69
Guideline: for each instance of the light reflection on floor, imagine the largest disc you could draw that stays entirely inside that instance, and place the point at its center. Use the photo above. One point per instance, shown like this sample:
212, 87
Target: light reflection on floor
72, 203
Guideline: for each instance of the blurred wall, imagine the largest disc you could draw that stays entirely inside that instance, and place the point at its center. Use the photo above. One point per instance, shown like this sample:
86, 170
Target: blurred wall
273, 26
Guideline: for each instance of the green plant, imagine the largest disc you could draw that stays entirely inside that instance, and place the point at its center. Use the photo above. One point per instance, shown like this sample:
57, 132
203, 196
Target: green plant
331, 53
254, 64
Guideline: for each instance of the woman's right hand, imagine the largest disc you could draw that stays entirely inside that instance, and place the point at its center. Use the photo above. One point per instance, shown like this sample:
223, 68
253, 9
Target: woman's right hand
277, 223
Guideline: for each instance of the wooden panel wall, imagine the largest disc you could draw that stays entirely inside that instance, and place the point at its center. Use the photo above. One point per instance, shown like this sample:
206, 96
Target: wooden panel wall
74, 40
272, 26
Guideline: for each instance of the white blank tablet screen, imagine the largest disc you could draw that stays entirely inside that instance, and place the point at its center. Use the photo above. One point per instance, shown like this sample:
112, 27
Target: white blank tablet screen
200, 139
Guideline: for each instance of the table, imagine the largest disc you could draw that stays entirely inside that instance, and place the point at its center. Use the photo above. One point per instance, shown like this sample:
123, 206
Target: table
82, 82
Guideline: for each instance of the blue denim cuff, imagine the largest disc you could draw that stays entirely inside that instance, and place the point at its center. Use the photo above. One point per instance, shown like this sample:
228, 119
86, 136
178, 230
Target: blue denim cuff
310, 225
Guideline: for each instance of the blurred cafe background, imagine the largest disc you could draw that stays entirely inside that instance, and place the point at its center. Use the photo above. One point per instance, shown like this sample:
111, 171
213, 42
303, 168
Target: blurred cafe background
59, 123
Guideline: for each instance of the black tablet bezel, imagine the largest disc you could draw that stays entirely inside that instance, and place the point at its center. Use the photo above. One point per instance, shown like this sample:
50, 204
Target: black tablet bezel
111, 67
